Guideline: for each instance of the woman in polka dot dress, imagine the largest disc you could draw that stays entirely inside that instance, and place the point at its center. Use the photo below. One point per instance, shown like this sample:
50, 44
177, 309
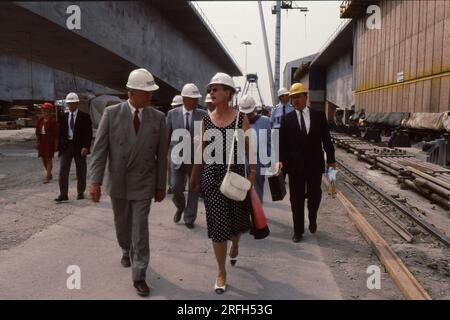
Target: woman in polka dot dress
226, 219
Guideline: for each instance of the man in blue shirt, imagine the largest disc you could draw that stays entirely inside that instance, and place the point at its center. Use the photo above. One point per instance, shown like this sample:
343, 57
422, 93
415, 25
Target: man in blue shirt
281, 109
261, 129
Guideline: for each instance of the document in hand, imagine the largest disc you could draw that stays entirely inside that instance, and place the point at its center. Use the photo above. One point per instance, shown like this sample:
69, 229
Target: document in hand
331, 177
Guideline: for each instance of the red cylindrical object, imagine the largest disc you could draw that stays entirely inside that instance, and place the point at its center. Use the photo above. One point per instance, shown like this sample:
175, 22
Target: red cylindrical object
259, 218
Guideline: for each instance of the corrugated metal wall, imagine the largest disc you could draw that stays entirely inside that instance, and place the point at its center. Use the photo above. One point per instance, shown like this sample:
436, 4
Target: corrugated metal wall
414, 39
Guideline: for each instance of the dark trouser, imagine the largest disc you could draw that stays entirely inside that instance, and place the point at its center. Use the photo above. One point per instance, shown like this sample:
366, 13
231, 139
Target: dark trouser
303, 186
131, 222
80, 165
259, 186
178, 184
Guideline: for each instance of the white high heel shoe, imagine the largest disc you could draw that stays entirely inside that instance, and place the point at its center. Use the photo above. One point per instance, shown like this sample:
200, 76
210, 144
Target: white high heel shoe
220, 290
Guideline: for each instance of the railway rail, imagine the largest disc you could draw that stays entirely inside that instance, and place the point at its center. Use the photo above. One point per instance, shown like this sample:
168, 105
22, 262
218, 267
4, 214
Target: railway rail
427, 179
392, 212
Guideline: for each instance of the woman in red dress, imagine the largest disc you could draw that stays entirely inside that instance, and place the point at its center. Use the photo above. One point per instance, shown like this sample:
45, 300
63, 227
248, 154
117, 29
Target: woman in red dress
47, 136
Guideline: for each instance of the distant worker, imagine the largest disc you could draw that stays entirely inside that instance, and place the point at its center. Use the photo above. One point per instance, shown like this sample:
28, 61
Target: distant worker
184, 117
304, 135
209, 104
281, 109
132, 138
261, 126
176, 102
47, 138
75, 138
265, 111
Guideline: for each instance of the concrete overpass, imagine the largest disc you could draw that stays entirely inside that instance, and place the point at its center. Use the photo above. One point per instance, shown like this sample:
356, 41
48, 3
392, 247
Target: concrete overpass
41, 59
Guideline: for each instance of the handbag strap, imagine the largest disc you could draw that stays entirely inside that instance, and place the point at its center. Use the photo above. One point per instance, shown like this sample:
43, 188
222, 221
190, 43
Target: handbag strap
232, 144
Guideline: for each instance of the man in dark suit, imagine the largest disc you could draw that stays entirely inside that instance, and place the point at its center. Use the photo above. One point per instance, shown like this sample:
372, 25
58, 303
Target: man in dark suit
304, 134
75, 136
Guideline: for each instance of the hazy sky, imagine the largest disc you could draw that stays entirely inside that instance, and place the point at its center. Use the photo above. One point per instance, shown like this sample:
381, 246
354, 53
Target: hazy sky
237, 21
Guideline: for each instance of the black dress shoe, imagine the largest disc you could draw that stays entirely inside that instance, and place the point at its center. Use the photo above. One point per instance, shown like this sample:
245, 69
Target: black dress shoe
313, 227
142, 288
177, 216
297, 238
61, 198
125, 261
80, 196
189, 225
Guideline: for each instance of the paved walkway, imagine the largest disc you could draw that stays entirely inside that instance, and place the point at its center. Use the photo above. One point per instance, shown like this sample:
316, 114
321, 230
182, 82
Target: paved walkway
182, 262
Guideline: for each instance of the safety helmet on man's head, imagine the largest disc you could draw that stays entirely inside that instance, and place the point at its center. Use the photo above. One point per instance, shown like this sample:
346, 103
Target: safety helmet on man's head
141, 79
297, 88
72, 97
190, 90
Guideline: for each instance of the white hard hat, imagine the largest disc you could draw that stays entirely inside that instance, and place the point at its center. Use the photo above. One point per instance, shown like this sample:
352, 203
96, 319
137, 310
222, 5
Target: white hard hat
190, 90
177, 101
282, 92
141, 79
208, 98
72, 97
224, 79
247, 104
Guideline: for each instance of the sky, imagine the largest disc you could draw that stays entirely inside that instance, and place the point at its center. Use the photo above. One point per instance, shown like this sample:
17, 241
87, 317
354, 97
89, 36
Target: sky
237, 21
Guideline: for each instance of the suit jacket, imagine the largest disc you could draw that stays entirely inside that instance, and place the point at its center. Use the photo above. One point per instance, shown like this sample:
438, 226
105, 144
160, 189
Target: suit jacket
175, 120
82, 133
301, 154
137, 165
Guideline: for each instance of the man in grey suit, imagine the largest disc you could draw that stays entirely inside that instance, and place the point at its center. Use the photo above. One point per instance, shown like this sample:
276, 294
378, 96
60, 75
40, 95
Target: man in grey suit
133, 138
183, 118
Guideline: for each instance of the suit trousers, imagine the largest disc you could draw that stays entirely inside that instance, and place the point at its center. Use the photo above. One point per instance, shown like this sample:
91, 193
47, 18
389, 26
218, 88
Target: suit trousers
178, 184
301, 186
80, 165
259, 185
131, 222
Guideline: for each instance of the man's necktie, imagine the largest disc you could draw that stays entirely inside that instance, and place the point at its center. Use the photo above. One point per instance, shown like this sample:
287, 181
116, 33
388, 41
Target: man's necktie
187, 121
136, 122
284, 111
302, 121
72, 122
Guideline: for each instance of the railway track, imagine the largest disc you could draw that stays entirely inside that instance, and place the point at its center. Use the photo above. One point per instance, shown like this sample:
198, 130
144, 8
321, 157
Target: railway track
393, 212
429, 180
414, 252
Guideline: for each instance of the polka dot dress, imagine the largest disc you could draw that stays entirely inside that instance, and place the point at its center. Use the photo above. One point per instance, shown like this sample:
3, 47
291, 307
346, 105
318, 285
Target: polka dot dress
224, 217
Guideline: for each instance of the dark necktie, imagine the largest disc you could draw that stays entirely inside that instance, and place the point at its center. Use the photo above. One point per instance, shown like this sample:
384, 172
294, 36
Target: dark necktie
187, 121
284, 111
302, 121
72, 122
136, 121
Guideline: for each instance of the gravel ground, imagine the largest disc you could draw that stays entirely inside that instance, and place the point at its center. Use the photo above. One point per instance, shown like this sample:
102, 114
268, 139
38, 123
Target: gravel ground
349, 256
426, 258
22, 173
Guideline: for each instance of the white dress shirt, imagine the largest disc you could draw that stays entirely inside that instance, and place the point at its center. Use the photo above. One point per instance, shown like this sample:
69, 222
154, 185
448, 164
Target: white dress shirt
185, 111
133, 109
306, 118
70, 133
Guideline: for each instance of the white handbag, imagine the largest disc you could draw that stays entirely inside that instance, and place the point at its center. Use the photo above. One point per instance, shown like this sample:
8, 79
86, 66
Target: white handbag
234, 186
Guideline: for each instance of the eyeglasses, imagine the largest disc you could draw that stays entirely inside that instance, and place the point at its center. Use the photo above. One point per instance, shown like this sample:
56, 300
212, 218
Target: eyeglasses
214, 89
